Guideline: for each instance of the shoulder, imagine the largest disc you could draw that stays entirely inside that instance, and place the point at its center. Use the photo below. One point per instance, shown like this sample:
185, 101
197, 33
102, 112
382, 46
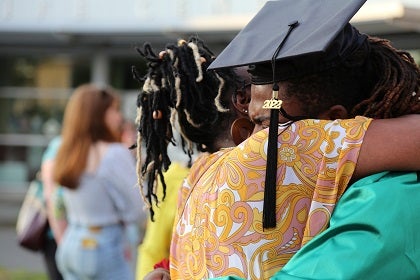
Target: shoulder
328, 130
203, 163
176, 170
118, 149
52, 149
118, 153
347, 125
312, 129
117, 160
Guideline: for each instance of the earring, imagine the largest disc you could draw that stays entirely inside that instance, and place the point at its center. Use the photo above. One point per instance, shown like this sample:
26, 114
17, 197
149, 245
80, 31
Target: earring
241, 129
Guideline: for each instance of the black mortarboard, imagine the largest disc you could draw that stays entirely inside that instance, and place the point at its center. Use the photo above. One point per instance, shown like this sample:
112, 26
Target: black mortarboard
288, 39
319, 22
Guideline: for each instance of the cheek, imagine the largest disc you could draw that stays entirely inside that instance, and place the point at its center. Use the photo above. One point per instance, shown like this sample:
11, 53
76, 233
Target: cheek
255, 109
113, 119
252, 112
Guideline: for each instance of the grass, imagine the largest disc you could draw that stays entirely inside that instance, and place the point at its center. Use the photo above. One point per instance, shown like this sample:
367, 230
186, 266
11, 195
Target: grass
21, 274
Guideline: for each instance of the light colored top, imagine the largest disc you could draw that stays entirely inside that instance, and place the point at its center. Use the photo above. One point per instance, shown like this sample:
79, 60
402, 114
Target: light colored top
109, 195
218, 230
52, 192
157, 240
52, 149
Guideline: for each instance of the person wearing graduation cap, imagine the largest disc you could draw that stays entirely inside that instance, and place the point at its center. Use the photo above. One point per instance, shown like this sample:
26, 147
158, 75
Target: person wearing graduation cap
252, 208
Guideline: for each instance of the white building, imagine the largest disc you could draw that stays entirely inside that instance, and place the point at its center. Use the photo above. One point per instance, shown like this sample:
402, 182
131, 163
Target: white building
47, 47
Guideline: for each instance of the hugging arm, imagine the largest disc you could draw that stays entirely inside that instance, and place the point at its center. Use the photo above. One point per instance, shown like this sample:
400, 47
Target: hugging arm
390, 144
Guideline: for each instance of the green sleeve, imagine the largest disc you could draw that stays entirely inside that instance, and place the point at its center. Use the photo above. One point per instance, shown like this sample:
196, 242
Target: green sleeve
372, 234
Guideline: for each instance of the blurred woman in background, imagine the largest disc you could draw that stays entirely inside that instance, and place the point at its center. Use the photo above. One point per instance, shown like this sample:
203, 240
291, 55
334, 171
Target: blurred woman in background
100, 194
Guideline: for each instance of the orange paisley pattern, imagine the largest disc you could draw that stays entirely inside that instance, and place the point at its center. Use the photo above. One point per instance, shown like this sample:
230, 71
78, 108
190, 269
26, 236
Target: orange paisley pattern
218, 229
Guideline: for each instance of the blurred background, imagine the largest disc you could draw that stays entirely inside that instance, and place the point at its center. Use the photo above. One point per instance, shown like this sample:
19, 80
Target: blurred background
48, 47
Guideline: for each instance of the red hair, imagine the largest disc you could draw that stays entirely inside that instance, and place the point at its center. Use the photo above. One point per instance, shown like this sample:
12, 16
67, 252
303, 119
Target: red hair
83, 125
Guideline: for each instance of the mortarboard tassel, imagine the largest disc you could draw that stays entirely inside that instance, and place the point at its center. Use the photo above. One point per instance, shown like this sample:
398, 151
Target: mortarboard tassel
269, 208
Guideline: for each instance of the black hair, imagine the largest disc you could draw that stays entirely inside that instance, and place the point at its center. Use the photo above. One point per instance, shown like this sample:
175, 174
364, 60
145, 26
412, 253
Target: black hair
179, 92
378, 82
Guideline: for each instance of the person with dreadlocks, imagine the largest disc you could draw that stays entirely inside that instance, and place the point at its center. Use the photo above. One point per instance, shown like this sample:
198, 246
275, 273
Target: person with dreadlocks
245, 212
201, 105
178, 92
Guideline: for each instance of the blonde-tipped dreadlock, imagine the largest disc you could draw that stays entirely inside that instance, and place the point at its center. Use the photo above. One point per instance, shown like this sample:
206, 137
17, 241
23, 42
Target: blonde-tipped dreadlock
178, 91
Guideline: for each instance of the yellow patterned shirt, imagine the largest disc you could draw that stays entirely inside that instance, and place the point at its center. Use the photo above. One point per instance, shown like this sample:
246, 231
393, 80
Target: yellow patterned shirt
218, 229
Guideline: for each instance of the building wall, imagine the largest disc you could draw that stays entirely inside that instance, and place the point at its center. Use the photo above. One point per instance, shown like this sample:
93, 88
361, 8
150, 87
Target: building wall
48, 47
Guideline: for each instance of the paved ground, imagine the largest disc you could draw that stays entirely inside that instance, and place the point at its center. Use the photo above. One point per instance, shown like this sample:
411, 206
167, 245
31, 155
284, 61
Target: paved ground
12, 256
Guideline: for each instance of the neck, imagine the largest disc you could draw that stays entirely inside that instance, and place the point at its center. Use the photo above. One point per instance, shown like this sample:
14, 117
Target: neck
222, 143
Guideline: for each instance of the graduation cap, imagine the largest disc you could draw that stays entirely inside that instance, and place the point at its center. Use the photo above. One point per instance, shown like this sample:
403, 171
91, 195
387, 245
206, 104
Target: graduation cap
289, 39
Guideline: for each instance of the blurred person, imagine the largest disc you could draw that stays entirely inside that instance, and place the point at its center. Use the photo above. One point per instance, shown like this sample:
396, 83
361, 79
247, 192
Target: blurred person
134, 231
57, 214
128, 133
52, 191
158, 233
98, 176
57, 221
54, 198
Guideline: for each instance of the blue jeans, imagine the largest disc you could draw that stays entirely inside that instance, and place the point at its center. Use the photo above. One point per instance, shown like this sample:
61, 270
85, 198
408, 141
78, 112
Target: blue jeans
93, 253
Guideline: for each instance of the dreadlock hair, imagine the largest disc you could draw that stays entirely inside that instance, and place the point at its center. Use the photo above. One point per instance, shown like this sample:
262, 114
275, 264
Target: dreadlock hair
378, 81
396, 91
178, 92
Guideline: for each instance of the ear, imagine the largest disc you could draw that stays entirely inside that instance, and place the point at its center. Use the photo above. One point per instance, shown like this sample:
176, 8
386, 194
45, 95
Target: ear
240, 101
335, 112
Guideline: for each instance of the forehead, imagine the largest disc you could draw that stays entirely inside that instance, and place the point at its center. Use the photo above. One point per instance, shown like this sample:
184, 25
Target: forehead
261, 92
